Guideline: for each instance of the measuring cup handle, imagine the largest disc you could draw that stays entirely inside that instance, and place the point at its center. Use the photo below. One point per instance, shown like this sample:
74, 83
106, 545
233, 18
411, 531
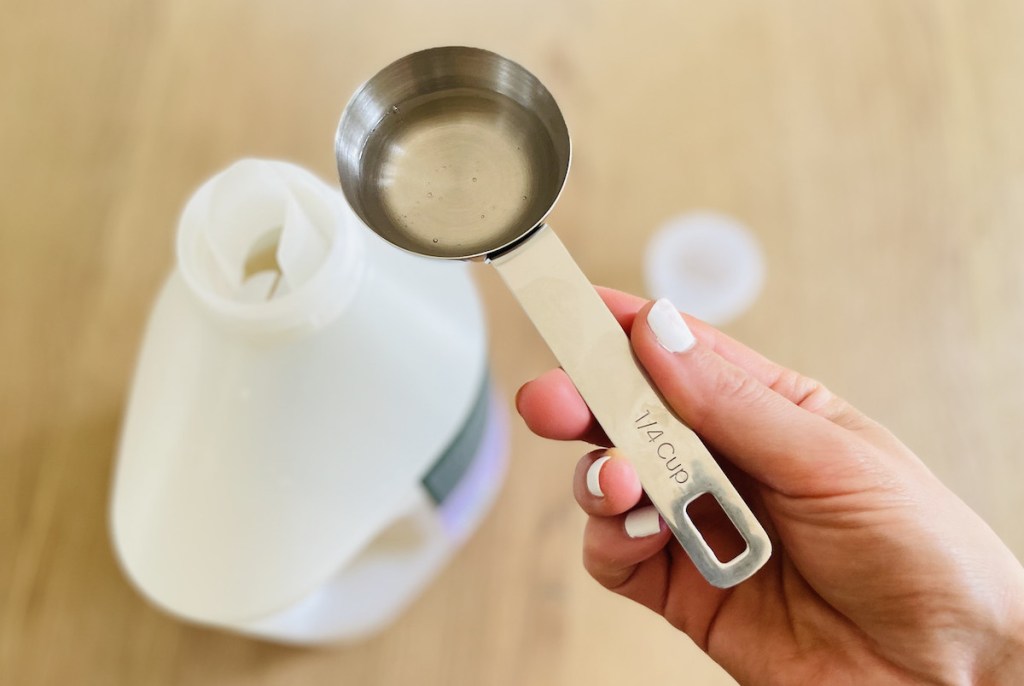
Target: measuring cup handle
674, 467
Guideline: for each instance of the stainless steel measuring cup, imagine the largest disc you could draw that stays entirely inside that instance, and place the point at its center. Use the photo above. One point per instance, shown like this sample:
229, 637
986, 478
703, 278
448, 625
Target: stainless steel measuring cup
460, 153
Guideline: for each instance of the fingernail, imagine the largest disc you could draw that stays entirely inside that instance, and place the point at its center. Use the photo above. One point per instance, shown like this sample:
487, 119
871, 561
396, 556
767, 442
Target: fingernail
644, 521
594, 477
669, 328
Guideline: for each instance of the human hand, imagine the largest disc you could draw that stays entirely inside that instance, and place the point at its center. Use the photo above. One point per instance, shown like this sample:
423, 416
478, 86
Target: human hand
879, 574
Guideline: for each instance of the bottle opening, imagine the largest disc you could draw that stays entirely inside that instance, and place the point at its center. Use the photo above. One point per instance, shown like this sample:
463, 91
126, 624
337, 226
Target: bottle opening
261, 279
266, 240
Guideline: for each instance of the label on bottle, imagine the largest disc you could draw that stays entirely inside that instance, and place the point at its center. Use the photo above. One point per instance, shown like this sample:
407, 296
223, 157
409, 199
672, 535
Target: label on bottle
456, 459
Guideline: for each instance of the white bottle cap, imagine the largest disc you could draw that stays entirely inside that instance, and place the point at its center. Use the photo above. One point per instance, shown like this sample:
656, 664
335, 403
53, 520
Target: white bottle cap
707, 264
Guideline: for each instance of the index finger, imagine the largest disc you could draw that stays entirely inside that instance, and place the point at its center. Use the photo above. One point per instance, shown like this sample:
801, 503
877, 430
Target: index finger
553, 408
800, 390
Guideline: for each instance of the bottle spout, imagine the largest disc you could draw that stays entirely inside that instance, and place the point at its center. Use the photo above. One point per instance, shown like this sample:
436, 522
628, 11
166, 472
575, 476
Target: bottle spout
265, 242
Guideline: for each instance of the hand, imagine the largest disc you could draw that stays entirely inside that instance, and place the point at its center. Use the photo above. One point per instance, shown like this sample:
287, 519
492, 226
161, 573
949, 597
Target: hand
879, 574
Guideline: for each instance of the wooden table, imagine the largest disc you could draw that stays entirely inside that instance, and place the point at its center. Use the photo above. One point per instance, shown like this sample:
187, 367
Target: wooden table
875, 147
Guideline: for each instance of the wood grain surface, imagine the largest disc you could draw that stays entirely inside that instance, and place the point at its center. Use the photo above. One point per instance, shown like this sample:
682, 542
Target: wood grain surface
876, 148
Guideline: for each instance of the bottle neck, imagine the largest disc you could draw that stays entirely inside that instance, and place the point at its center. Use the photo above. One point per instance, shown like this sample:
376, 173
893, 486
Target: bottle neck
267, 248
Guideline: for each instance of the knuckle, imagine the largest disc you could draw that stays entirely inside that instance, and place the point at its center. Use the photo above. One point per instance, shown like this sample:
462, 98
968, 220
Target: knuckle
793, 384
736, 385
853, 464
595, 564
609, 579
812, 395
600, 561
722, 383
815, 397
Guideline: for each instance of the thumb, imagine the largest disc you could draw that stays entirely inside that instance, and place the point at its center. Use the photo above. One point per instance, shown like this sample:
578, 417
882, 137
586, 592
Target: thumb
780, 444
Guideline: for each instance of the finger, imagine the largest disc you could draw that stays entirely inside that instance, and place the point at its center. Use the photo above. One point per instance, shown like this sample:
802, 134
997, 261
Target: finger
637, 565
606, 484
797, 388
763, 433
800, 390
552, 408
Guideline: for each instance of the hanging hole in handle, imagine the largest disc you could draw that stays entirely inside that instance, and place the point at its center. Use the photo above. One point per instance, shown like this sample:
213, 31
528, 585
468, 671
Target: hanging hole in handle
718, 531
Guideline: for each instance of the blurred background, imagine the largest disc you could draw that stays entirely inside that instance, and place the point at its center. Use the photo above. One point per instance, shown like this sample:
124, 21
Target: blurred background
875, 148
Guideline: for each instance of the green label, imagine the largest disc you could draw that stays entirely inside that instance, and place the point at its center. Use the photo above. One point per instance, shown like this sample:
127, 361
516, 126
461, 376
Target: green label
458, 456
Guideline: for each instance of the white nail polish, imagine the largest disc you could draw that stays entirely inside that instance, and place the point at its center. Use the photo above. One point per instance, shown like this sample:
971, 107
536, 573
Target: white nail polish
594, 477
644, 521
669, 328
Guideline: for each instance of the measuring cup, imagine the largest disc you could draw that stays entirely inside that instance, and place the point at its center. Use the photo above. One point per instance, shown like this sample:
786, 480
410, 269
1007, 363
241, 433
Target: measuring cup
459, 153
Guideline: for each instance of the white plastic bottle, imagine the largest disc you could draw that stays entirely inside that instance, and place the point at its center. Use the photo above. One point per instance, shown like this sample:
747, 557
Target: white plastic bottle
310, 433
